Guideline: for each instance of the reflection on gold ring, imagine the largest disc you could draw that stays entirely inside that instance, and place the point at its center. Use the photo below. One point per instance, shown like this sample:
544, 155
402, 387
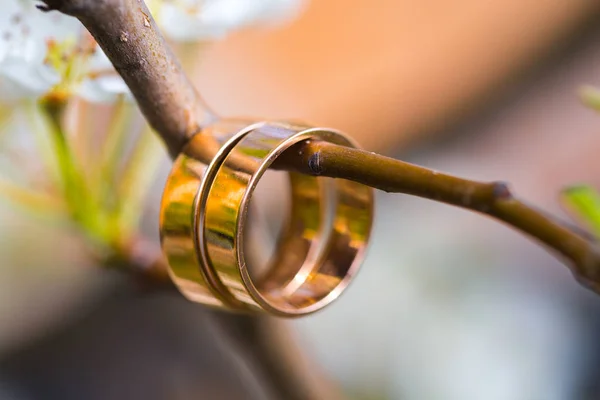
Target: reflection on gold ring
204, 212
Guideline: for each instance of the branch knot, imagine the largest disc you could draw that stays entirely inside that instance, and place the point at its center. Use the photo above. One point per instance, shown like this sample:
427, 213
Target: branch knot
314, 164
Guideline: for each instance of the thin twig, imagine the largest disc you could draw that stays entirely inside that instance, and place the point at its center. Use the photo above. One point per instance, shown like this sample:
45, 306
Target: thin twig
495, 199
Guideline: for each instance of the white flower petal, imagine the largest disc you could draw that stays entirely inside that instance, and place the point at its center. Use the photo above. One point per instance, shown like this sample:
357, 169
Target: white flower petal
100, 61
104, 89
19, 79
24, 32
213, 19
182, 26
107, 86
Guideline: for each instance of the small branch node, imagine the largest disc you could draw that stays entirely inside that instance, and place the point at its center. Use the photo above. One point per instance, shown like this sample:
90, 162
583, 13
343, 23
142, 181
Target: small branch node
501, 191
314, 164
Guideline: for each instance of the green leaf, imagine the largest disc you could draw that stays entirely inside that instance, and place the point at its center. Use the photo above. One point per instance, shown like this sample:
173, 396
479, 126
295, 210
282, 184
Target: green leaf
584, 202
74, 187
590, 96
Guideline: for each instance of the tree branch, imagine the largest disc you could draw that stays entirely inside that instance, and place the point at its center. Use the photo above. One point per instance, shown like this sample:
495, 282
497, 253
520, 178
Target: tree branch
578, 248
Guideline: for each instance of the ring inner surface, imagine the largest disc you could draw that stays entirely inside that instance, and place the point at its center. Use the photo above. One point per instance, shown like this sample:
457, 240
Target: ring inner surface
319, 281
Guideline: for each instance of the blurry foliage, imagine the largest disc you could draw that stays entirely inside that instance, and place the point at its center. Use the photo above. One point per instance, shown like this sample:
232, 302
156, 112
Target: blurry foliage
104, 198
583, 200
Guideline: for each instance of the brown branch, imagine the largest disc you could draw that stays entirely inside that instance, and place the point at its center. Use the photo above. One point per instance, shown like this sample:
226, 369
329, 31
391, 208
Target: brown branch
494, 199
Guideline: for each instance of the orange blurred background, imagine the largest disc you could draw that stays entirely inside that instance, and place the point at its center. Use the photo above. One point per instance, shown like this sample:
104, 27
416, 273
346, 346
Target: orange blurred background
388, 71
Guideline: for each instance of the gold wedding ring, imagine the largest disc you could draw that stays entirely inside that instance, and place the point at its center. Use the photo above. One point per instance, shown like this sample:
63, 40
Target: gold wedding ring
204, 214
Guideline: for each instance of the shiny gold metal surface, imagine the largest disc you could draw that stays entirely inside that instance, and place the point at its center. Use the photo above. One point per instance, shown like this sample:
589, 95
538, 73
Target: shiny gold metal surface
178, 215
204, 215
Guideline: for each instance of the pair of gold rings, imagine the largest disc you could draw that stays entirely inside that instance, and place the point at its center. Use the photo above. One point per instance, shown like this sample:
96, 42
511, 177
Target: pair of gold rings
204, 213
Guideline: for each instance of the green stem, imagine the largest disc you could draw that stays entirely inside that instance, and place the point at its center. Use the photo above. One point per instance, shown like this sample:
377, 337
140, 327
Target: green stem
73, 185
106, 178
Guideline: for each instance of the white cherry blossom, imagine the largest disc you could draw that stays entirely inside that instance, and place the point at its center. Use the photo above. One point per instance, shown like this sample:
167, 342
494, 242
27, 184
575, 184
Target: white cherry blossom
44, 53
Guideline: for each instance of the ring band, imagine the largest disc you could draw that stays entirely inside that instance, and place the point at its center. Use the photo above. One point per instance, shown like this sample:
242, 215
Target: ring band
204, 213
178, 214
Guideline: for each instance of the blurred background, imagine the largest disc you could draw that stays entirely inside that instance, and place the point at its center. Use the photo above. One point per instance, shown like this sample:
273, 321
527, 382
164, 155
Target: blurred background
448, 304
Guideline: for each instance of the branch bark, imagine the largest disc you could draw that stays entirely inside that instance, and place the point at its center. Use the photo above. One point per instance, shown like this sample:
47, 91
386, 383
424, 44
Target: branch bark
579, 249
